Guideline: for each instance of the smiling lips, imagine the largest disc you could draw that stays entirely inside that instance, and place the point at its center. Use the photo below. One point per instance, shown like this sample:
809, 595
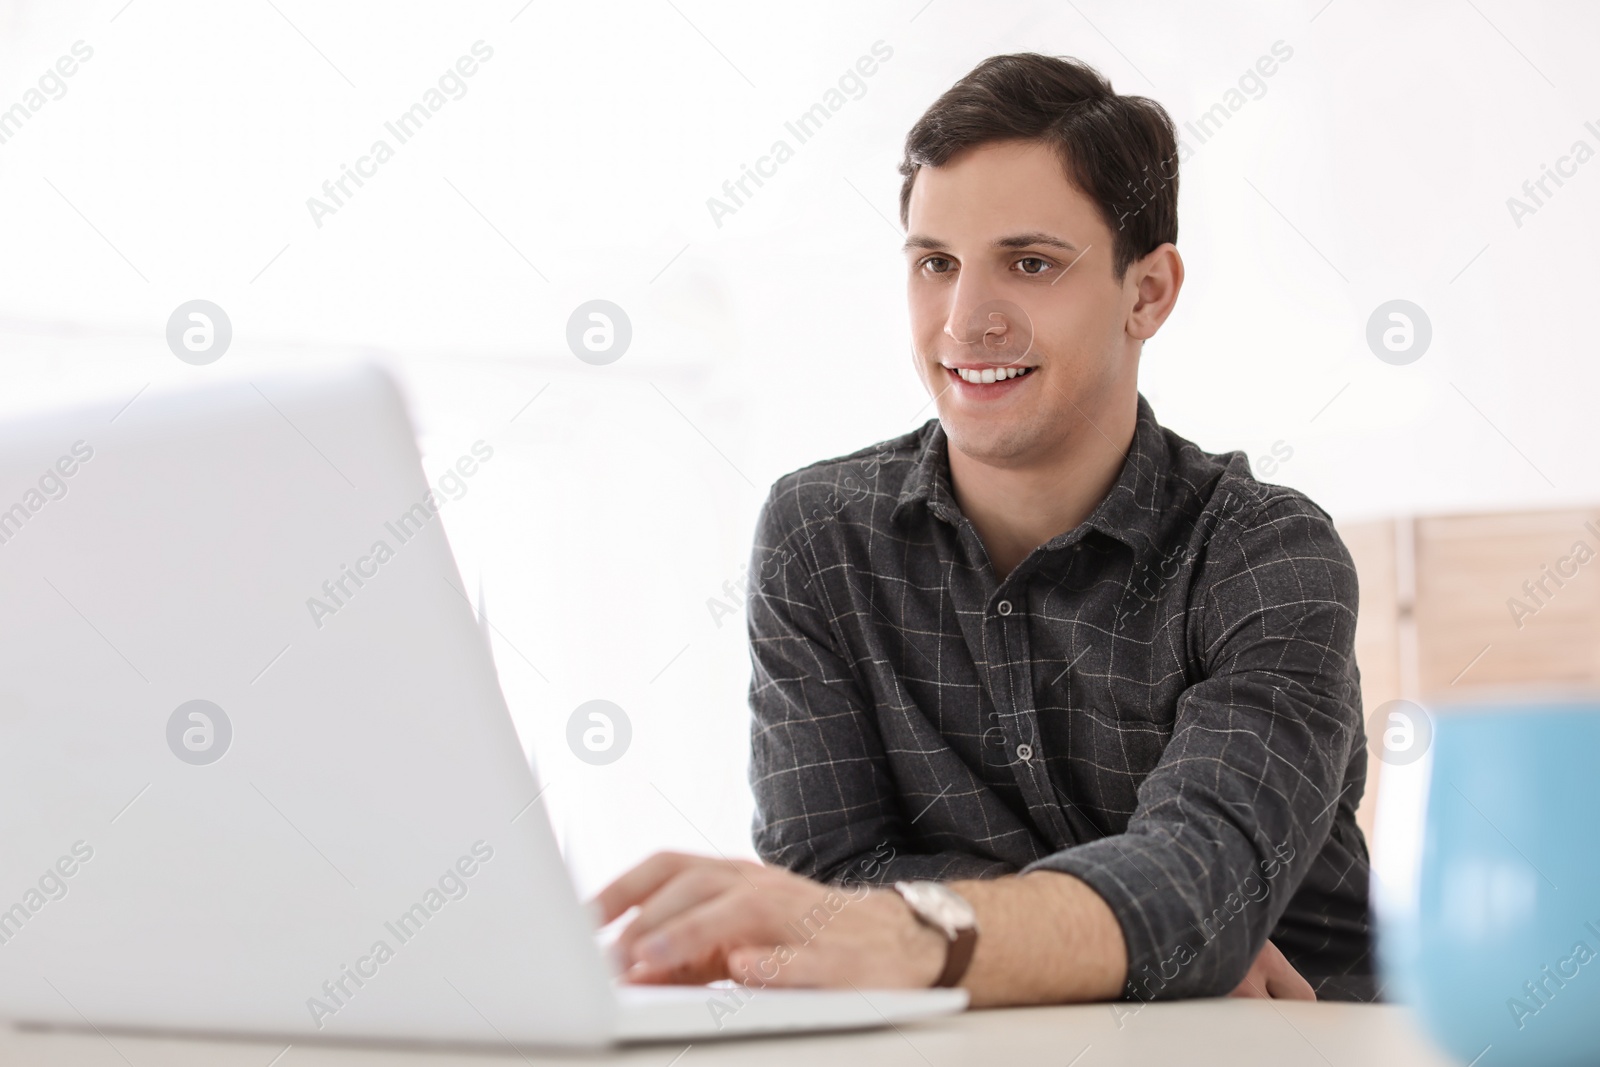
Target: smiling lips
986, 375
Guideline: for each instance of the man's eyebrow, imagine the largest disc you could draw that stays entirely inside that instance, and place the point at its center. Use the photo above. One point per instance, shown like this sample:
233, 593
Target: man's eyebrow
923, 241
1016, 240
1035, 237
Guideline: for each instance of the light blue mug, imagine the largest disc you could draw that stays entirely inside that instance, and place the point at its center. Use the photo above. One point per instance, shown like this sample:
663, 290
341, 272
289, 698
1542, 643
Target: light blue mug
1495, 940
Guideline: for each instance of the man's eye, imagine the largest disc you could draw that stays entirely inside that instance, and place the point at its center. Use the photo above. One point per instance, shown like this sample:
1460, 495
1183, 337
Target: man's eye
1033, 265
938, 265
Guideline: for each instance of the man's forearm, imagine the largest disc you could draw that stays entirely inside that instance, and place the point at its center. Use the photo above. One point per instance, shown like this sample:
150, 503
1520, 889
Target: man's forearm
1044, 938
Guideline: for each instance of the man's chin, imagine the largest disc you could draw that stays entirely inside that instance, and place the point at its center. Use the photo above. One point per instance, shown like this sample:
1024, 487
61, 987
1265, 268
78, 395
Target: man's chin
995, 442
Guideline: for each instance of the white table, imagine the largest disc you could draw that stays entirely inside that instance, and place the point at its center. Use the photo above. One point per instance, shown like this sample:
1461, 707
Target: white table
1227, 1033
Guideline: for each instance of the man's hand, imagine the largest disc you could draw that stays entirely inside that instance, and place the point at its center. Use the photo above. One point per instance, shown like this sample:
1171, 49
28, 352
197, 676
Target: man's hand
1272, 977
703, 919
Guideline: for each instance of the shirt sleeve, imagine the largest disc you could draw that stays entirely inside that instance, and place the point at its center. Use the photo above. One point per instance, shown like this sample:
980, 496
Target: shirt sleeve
826, 804
1246, 791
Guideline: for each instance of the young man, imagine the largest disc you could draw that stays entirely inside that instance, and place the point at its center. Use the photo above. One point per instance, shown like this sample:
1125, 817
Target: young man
1083, 694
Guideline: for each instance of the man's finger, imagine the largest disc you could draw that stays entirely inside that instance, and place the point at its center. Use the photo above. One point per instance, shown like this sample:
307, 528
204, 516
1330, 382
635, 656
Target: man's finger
687, 888
1253, 986
1279, 977
1273, 976
710, 969
636, 884
757, 966
732, 920
1290, 984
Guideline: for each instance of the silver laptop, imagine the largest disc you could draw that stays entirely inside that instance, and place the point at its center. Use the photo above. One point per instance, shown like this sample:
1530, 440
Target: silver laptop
256, 772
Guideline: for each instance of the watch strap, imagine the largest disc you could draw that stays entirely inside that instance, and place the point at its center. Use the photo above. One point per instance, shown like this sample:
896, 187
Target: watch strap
958, 957
961, 942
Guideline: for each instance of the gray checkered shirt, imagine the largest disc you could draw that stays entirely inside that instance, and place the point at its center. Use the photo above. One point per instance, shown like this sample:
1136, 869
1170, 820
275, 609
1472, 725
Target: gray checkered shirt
1162, 702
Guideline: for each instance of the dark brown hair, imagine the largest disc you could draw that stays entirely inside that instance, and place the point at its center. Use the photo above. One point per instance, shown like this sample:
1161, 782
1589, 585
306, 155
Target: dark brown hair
1120, 151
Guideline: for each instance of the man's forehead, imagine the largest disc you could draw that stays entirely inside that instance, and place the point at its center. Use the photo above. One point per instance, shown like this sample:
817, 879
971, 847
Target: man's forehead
998, 194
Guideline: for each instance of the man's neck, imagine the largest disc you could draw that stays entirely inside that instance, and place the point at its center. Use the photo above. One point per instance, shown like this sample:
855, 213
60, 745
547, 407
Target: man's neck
1017, 508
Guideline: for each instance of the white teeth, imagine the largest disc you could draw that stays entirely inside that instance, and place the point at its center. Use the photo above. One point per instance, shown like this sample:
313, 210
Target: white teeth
990, 375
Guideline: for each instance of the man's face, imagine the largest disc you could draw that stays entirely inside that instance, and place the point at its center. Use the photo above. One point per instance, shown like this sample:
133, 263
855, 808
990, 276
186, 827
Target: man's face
1010, 282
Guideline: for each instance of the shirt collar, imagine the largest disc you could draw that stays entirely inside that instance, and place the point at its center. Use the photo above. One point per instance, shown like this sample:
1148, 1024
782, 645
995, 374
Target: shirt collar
1130, 512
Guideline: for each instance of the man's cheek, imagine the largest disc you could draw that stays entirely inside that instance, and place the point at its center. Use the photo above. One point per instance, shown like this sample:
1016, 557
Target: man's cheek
927, 312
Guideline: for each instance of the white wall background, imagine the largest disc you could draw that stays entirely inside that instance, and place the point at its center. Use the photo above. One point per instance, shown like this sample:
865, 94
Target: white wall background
1376, 165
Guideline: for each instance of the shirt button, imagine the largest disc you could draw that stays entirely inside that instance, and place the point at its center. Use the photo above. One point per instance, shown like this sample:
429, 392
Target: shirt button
1004, 607
1025, 752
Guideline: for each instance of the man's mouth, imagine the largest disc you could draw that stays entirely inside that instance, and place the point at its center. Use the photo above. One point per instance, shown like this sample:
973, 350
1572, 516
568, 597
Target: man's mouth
986, 375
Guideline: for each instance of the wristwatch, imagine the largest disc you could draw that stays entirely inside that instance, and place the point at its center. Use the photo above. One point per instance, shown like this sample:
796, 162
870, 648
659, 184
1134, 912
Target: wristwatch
937, 905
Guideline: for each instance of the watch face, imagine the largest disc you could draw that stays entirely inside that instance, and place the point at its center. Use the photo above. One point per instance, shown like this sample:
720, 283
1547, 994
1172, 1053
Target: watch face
939, 905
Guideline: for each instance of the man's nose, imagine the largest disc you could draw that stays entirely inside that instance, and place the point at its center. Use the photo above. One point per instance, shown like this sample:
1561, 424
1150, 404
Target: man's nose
967, 323
988, 327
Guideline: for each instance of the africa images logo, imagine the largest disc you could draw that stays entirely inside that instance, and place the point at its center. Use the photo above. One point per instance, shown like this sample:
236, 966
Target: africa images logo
452, 885
52, 485
341, 589
336, 192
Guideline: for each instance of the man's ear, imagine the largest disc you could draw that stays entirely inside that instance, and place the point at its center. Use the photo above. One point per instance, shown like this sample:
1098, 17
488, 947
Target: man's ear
1155, 279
